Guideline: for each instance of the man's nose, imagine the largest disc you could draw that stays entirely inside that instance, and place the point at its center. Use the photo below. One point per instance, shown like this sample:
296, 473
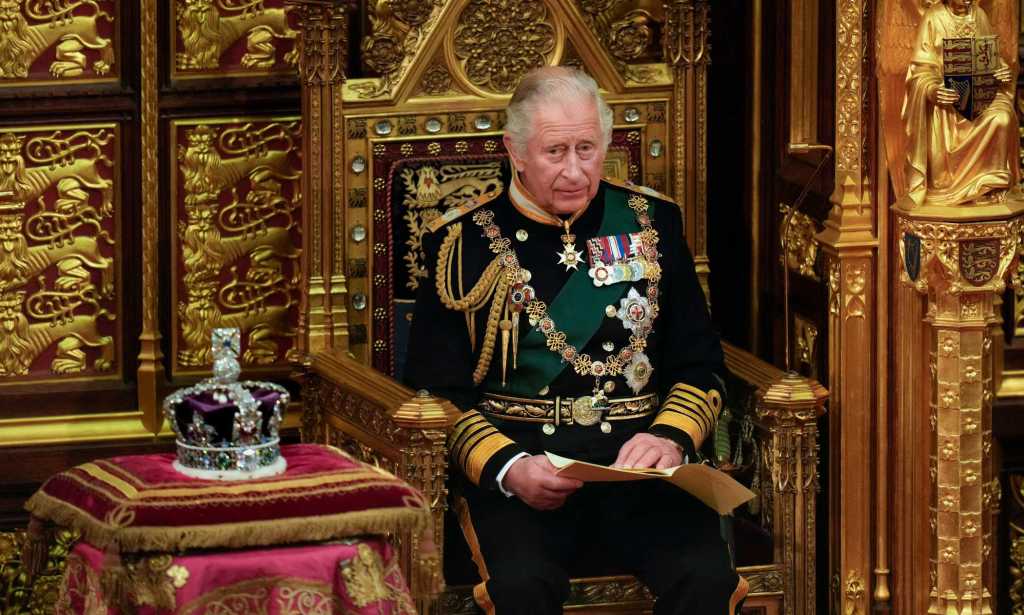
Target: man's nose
572, 169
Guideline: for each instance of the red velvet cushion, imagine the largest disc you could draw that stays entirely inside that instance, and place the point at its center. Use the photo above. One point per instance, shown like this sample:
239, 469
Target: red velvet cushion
139, 503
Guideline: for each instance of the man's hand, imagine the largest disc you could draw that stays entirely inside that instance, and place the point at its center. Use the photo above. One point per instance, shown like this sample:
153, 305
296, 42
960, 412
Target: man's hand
942, 96
533, 480
646, 450
1003, 74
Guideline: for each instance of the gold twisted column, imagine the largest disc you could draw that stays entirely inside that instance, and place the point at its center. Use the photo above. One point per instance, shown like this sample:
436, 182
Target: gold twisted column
688, 52
961, 267
790, 410
323, 46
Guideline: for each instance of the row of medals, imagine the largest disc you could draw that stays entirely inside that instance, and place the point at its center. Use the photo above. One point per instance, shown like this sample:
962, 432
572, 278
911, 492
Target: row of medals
587, 410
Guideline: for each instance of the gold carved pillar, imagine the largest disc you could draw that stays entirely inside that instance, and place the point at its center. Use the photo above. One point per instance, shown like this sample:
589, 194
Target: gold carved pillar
961, 266
323, 45
851, 247
150, 371
790, 410
688, 52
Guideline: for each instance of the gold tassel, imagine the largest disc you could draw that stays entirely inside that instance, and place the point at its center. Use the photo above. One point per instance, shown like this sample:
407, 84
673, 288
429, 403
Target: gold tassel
114, 581
35, 552
506, 327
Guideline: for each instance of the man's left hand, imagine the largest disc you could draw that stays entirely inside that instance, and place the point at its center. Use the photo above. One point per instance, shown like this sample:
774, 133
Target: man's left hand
1003, 74
646, 450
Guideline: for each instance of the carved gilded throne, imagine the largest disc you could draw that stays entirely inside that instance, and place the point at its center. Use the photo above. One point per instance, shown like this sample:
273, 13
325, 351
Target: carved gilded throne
387, 152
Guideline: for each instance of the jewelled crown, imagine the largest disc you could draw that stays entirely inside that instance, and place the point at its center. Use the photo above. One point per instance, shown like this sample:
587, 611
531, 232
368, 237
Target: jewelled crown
227, 429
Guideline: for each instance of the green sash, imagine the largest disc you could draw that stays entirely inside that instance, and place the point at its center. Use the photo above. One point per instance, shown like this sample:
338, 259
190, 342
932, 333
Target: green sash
578, 310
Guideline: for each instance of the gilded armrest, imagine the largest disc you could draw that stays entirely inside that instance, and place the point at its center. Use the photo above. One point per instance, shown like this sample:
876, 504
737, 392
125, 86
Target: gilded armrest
375, 418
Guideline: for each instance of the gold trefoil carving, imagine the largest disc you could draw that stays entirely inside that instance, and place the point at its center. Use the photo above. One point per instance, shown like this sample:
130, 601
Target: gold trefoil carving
57, 244
209, 28
429, 192
499, 41
799, 247
238, 245
29, 28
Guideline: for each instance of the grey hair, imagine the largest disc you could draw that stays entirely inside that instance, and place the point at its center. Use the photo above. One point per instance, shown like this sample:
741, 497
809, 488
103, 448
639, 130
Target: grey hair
550, 84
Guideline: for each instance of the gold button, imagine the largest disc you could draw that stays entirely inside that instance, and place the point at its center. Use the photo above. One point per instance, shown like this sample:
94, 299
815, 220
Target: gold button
608, 346
543, 391
522, 235
609, 387
610, 311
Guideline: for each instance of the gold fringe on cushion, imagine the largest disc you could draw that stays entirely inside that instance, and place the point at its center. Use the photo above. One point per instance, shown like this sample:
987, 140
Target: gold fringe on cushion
227, 535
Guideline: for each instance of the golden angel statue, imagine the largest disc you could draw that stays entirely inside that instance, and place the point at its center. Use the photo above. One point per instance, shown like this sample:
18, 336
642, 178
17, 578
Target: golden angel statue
946, 75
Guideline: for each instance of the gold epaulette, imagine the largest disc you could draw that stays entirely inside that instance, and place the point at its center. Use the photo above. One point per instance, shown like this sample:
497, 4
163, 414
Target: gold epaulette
628, 185
460, 210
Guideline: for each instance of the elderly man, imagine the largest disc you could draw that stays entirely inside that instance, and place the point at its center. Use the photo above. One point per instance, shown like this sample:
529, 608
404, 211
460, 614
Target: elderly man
564, 315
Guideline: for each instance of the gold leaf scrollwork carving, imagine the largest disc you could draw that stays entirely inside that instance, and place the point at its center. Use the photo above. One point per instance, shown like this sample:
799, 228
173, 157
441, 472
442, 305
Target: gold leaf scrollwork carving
208, 28
57, 229
687, 33
74, 29
1015, 540
499, 41
800, 248
238, 238
833, 287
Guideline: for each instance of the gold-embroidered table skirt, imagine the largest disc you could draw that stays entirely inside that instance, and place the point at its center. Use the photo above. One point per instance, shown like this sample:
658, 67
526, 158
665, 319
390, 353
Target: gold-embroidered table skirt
354, 576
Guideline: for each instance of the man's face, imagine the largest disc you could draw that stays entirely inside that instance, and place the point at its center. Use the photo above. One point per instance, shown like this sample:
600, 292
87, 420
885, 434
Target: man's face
960, 6
561, 167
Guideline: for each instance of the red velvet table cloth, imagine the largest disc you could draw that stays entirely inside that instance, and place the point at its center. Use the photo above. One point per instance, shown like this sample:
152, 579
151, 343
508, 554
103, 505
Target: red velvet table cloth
140, 503
356, 576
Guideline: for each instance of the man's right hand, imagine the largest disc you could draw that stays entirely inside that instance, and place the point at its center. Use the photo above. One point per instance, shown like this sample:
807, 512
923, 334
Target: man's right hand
943, 96
533, 480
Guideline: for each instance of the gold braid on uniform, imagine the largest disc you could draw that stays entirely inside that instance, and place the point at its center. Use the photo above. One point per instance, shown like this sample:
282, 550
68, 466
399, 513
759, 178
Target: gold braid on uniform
691, 410
492, 286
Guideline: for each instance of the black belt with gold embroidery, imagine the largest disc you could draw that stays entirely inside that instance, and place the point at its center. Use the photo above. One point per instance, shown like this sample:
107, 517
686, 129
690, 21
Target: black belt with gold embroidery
559, 410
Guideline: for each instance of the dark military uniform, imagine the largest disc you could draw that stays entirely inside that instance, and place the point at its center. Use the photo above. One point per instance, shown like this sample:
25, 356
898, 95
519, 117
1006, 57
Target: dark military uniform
518, 396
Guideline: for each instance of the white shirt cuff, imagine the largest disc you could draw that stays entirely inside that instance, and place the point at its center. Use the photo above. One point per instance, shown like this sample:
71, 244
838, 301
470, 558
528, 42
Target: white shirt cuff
504, 471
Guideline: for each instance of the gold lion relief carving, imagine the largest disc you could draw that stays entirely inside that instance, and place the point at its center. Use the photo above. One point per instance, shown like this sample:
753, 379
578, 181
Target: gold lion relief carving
57, 277
210, 28
70, 25
238, 245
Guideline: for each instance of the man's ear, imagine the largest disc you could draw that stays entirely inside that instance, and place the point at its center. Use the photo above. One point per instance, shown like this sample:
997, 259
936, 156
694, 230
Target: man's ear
517, 162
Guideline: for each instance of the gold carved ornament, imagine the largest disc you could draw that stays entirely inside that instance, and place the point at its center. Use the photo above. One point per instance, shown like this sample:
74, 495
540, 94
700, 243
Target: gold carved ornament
1015, 540
625, 30
241, 203
397, 30
57, 275
208, 28
496, 42
798, 242
30, 28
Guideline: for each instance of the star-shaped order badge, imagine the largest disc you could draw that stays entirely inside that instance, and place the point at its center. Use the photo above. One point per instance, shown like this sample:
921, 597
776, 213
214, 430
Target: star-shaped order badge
638, 372
635, 311
570, 257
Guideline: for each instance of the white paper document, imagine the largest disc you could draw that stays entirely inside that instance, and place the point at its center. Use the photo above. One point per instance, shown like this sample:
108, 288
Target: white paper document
715, 488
